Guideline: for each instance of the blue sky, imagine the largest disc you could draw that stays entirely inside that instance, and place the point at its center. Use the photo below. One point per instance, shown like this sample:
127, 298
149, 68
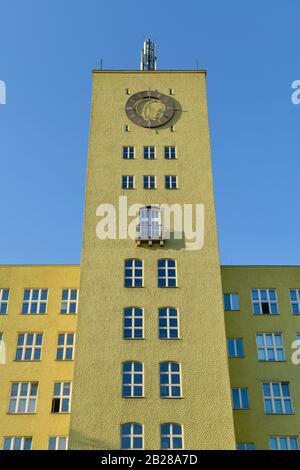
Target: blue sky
251, 51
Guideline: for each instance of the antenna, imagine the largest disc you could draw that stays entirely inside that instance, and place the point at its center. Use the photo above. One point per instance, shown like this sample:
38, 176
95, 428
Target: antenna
149, 55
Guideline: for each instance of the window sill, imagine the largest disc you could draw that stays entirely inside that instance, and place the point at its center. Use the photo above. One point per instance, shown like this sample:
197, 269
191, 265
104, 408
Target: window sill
27, 360
21, 414
241, 409
279, 414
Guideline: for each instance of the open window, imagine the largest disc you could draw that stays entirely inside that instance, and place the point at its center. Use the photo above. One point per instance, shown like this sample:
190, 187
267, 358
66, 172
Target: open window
150, 228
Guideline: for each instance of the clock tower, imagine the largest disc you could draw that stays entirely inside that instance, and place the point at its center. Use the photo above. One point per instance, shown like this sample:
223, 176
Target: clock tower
151, 369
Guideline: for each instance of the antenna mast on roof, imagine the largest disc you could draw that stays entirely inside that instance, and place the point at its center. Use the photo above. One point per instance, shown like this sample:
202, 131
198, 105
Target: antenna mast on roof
149, 55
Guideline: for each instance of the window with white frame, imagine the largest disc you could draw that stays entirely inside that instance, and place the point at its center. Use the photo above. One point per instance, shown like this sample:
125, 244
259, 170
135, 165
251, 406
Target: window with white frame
132, 436
295, 301
23, 397
167, 273
4, 296
168, 323
171, 436
170, 152
69, 301
35, 301
150, 226
133, 273
128, 152
61, 401
149, 182
65, 346
270, 347
170, 380
231, 302
244, 446
17, 443
29, 347
235, 347
277, 398
171, 182
127, 182
240, 400
58, 443
133, 323
283, 443
149, 152
133, 380
264, 301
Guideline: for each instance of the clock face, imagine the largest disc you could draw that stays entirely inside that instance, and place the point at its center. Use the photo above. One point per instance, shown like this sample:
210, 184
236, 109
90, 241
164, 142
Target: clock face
150, 108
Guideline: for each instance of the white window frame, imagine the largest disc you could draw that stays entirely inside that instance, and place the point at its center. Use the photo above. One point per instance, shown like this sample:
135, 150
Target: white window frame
295, 302
147, 182
149, 152
133, 327
131, 384
13, 440
170, 183
169, 373
288, 442
65, 346
126, 182
274, 347
240, 397
167, 277
150, 223
168, 327
168, 151
69, 301
39, 301
58, 442
268, 301
231, 296
133, 275
132, 436
235, 340
127, 151
2, 301
172, 436
34, 346
280, 398
18, 398
62, 396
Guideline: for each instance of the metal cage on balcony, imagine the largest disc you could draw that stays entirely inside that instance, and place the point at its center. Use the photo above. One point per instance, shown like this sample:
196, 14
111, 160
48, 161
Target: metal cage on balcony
150, 229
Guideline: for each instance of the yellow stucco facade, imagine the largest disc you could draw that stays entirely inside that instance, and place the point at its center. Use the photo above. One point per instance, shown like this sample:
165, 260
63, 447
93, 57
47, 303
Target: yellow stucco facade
98, 408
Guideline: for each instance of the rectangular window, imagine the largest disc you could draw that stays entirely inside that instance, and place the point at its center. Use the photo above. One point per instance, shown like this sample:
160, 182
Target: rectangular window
149, 182
65, 347
283, 443
35, 301
235, 347
168, 323
170, 380
150, 226
29, 347
133, 273
23, 397
240, 399
270, 347
171, 182
264, 301
133, 380
277, 398
69, 301
244, 446
167, 273
133, 323
4, 296
17, 443
128, 153
61, 400
171, 436
295, 301
170, 152
132, 436
58, 443
127, 182
149, 153
231, 302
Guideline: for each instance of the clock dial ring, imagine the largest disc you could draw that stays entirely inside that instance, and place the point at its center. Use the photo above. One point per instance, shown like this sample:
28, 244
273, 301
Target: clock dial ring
149, 108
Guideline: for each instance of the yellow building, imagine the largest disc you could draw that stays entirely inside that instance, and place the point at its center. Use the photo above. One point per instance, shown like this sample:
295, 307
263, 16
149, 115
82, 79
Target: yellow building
172, 350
